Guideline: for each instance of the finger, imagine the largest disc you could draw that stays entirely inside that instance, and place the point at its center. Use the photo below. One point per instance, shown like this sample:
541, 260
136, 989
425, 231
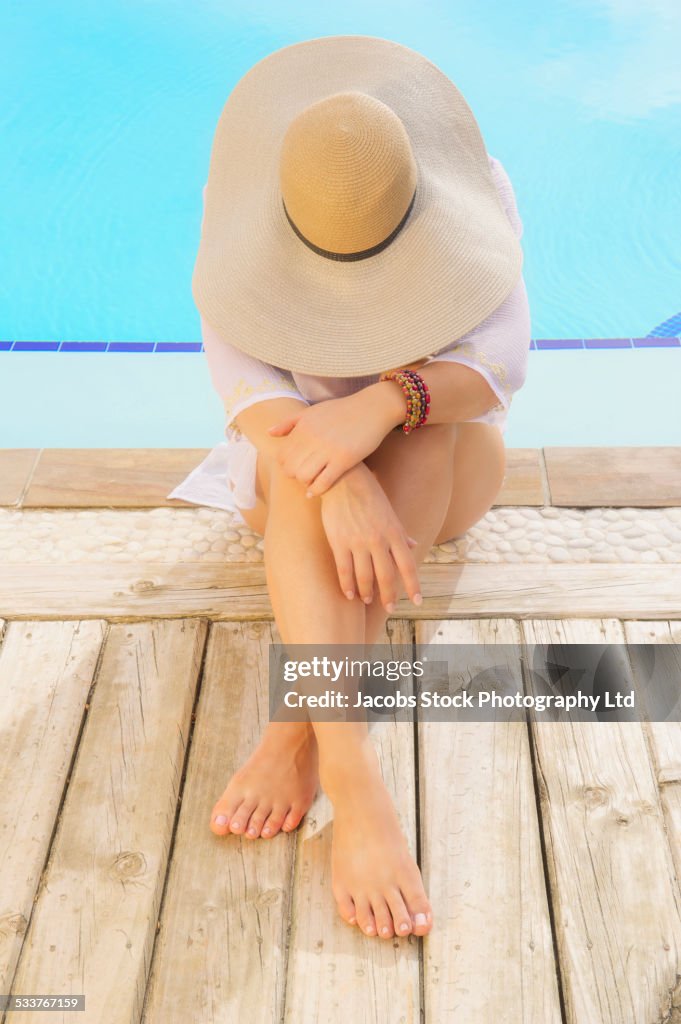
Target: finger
345, 569
364, 574
291, 459
324, 480
284, 427
310, 467
385, 571
407, 569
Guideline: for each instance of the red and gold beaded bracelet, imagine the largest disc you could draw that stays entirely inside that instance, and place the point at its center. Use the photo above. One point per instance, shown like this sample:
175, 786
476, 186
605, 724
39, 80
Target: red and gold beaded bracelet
417, 394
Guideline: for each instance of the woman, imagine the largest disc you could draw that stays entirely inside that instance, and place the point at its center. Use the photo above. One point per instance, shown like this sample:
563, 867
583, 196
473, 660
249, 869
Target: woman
354, 224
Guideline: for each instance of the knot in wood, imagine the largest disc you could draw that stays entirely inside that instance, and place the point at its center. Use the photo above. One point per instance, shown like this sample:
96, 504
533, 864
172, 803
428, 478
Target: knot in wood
268, 897
595, 796
129, 864
143, 586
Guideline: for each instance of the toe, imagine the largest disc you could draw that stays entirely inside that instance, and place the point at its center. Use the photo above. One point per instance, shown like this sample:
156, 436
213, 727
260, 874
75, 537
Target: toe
221, 816
257, 820
401, 918
293, 819
382, 917
241, 816
365, 917
274, 822
346, 907
419, 910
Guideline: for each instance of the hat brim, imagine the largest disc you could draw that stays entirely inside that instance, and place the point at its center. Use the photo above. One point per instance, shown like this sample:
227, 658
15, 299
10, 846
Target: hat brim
453, 263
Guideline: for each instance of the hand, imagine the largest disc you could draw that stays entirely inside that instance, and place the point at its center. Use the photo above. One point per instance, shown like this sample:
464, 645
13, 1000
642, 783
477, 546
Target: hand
368, 540
326, 439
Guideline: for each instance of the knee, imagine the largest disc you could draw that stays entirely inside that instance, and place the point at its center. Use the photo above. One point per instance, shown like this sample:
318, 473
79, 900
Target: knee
433, 438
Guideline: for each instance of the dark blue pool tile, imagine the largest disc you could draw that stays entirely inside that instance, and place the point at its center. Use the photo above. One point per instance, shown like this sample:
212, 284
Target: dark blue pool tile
668, 329
131, 346
36, 346
549, 343
607, 343
83, 346
5, 346
178, 346
656, 342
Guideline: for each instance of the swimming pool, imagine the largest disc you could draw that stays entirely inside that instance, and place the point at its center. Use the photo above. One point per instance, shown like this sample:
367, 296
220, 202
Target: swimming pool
106, 130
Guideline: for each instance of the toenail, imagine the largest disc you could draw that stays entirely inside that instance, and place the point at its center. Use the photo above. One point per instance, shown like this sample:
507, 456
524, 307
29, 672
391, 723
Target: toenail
251, 831
266, 831
404, 927
420, 919
353, 920
385, 931
220, 819
236, 824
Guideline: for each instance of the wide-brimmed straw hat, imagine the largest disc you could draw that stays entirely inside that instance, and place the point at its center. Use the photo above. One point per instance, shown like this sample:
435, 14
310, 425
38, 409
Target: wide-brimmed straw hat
351, 222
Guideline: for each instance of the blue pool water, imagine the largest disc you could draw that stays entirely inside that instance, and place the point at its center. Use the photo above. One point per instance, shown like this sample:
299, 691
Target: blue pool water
106, 125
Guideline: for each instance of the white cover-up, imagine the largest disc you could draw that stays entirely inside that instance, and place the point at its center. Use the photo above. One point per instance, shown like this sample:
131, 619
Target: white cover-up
498, 348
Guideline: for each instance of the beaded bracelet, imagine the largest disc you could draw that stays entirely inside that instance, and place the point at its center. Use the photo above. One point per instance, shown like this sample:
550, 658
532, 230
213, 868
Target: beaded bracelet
417, 394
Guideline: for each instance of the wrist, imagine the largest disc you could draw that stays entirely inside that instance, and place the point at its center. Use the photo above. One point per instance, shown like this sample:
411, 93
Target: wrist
352, 477
386, 399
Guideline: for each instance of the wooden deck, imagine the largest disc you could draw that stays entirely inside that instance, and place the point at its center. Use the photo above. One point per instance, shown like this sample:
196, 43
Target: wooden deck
551, 852
129, 694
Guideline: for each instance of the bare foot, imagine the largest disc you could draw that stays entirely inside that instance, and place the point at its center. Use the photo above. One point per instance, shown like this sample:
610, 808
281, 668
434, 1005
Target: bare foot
274, 788
375, 880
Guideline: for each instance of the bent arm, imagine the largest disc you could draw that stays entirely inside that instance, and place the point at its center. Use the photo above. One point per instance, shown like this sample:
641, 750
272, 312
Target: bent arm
457, 393
253, 422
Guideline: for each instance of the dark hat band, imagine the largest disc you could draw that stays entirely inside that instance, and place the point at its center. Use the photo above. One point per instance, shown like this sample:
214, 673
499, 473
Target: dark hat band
346, 257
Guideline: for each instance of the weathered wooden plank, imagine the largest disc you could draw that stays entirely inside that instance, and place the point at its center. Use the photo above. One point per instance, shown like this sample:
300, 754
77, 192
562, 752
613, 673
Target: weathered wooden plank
142, 477
221, 951
16, 466
46, 671
665, 737
94, 923
237, 590
489, 956
671, 802
647, 476
335, 971
615, 899
109, 477
665, 743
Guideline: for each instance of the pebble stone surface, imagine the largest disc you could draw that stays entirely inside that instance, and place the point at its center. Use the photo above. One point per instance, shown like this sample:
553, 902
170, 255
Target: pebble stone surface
504, 534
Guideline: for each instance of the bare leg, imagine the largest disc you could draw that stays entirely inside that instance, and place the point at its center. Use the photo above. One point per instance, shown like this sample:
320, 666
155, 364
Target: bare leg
309, 608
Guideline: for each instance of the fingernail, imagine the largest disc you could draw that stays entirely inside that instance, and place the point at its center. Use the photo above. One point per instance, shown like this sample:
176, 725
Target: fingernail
349, 594
220, 819
418, 599
420, 919
367, 600
390, 607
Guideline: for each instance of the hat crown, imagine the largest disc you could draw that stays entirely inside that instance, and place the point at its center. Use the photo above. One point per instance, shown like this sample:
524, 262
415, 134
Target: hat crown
347, 172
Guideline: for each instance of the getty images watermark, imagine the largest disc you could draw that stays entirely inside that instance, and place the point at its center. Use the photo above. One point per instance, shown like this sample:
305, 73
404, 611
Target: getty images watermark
475, 682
